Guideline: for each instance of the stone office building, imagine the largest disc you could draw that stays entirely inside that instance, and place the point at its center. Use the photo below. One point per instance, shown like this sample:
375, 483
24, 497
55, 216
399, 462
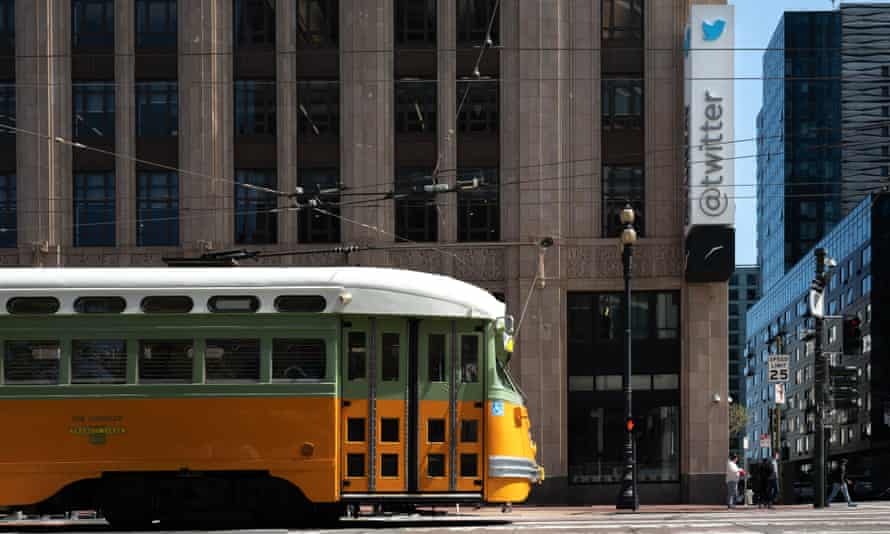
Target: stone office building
152, 128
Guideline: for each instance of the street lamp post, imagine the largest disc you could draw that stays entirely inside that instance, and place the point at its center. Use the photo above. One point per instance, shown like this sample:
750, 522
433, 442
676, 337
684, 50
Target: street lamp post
628, 498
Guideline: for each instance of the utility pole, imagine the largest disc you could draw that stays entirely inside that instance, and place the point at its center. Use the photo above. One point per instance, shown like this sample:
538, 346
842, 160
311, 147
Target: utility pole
820, 376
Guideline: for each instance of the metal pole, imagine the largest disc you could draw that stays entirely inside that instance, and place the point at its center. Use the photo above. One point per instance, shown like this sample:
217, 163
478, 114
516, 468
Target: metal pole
628, 499
819, 460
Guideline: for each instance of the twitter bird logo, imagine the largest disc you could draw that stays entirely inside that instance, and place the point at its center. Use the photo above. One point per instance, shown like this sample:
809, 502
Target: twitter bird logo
713, 30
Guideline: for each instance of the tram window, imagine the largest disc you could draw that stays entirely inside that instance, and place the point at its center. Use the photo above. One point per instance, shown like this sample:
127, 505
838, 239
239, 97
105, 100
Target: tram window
435, 431
100, 305
300, 303
435, 465
239, 304
232, 360
389, 465
33, 305
167, 304
390, 358
469, 465
31, 362
504, 376
469, 431
355, 429
298, 359
99, 361
469, 359
356, 361
436, 357
165, 361
389, 430
355, 465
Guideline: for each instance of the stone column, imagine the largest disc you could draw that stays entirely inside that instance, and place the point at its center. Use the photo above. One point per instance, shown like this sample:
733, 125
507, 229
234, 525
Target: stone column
704, 419
206, 123
366, 115
285, 48
125, 126
43, 106
536, 131
447, 124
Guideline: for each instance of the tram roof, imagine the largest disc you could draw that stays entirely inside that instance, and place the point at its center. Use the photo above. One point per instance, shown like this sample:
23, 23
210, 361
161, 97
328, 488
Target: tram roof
372, 290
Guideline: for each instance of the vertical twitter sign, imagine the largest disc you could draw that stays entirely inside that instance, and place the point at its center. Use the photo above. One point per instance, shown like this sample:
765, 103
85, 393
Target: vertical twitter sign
709, 44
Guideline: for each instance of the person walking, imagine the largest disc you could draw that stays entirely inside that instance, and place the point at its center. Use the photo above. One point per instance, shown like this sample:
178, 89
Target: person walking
732, 481
763, 474
773, 481
839, 483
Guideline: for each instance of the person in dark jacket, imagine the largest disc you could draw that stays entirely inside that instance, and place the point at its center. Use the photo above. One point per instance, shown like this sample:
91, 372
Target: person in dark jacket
763, 472
839, 483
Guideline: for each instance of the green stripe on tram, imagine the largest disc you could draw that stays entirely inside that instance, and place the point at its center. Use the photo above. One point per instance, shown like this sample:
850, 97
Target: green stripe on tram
155, 391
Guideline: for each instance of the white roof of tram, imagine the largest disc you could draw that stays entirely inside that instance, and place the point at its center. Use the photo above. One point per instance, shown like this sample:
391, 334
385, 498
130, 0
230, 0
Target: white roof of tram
351, 290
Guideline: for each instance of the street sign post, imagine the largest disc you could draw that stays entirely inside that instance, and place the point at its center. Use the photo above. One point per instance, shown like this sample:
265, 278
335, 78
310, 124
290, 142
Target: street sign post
779, 370
765, 441
780, 392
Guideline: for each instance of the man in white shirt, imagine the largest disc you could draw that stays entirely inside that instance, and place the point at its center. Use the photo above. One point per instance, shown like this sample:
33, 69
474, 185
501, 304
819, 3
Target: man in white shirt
732, 481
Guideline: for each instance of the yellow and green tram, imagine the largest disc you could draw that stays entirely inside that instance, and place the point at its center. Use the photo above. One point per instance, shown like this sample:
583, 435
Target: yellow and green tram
266, 393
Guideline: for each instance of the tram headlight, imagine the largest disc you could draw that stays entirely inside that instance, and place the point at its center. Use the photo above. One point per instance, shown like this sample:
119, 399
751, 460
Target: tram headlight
508, 343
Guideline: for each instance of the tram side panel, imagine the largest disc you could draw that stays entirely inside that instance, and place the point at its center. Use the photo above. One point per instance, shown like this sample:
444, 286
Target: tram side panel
49, 444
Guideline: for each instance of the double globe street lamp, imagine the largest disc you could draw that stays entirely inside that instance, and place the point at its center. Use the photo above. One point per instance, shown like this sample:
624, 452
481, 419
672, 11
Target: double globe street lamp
627, 497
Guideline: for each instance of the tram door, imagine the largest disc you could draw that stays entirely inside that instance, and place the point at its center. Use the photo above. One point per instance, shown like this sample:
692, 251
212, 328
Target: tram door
450, 387
374, 393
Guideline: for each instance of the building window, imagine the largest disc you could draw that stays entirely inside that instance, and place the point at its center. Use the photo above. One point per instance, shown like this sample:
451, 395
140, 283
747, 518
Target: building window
157, 109
318, 24
8, 212
315, 226
93, 105
92, 24
255, 107
255, 223
7, 110
474, 19
622, 185
319, 109
622, 104
751, 279
416, 107
7, 24
751, 293
623, 19
157, 205
478, 209
94, 216
479, 112
254, 23
416, 211
156, 24
416, 23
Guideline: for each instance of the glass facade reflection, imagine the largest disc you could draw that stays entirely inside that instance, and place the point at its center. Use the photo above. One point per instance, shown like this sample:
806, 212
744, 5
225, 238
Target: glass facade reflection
799, 134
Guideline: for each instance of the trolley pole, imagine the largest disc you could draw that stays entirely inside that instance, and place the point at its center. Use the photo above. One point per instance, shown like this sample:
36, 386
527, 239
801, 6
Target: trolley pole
820, 380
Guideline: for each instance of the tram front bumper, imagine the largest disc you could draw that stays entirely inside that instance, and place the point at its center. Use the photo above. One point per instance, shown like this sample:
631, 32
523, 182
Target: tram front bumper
515, 467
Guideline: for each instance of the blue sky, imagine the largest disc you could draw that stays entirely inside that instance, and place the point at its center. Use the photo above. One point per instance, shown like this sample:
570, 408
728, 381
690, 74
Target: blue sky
755, 22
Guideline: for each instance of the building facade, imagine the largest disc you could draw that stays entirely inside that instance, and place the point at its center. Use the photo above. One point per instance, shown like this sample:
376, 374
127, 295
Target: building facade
778, 323
744, 292
798, 140
822, 130
153, 128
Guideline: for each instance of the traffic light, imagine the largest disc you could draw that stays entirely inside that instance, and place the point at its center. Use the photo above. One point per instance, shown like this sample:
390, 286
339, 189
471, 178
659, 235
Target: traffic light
845, 386
852, 335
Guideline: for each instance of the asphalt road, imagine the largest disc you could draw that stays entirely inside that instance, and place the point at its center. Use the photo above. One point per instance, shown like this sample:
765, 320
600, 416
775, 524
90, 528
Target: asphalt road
868, 517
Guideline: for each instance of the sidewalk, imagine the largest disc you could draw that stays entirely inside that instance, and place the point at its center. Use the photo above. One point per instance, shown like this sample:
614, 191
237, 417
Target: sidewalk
576, 512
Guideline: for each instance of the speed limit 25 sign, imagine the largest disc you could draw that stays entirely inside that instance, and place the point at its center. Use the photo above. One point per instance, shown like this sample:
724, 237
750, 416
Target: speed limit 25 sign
779, 368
